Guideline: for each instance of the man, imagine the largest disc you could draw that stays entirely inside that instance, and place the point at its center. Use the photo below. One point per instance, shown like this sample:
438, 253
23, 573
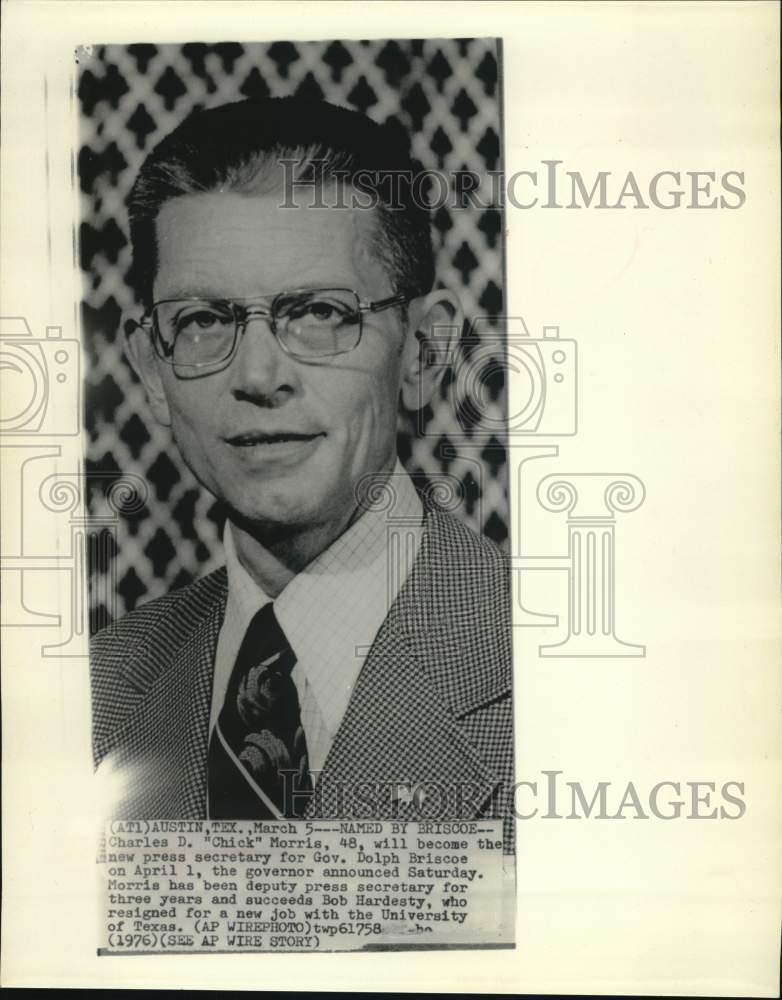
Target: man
353, 658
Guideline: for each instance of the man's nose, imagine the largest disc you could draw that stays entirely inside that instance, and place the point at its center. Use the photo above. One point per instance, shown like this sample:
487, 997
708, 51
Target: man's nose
261, 370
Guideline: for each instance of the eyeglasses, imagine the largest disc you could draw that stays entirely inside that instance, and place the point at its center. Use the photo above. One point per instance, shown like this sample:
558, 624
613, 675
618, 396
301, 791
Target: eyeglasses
199, 336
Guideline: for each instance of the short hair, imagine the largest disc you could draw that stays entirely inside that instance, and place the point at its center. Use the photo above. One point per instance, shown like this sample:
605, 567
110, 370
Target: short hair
234, 147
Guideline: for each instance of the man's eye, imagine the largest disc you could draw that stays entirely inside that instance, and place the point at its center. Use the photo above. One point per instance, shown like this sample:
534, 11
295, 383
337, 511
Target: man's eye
327, 311
322, 310
202, 321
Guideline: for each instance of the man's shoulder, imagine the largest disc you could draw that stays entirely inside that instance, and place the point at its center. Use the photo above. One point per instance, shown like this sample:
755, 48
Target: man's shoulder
161, 624
128, 656
452, 534
467, 566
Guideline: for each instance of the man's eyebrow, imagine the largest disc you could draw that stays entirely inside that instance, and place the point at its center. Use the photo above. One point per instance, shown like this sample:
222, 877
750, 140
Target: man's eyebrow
190, 294
196, 292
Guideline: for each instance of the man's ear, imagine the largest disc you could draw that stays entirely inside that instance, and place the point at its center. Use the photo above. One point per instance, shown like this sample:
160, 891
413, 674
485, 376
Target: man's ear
435, 324
146, 364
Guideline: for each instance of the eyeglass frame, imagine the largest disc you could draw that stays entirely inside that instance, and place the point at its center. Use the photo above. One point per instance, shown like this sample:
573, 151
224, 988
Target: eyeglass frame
165, 352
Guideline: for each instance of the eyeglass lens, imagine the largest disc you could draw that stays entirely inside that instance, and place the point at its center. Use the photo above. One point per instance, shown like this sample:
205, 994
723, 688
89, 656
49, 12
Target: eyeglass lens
316, 323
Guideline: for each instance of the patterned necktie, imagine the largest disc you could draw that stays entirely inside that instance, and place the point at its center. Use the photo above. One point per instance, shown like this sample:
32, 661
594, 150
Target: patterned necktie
257, 751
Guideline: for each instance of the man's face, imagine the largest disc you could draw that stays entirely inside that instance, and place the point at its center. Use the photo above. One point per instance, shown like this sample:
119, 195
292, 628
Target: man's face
342, 410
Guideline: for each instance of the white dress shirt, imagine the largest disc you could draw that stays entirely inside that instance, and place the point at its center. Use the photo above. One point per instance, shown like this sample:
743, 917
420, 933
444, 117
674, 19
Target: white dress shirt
330, 612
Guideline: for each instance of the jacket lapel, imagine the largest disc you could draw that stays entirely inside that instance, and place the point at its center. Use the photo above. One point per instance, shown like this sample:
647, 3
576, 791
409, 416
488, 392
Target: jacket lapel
400, 751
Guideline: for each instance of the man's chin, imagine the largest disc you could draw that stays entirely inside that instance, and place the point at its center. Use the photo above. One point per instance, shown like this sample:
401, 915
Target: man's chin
265, 520
286, 519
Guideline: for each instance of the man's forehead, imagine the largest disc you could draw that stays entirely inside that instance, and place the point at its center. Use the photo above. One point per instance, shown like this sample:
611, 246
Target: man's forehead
236, 237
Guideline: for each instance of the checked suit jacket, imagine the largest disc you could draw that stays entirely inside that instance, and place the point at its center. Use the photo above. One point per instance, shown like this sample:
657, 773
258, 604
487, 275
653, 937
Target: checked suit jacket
427, 734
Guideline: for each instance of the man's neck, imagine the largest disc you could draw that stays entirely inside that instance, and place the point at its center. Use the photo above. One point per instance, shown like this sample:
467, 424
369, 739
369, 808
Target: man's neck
273, 558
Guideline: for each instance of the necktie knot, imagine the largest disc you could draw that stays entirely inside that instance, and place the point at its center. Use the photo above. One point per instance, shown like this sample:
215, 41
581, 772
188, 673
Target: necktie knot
265, 642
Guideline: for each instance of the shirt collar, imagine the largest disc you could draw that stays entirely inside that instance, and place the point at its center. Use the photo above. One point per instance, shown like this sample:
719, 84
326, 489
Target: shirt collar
332, 610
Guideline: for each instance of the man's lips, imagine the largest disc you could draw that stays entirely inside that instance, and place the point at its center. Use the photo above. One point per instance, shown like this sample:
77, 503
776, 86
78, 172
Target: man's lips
250, 439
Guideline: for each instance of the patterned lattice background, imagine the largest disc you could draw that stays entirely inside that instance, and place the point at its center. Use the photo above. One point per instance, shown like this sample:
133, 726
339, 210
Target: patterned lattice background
446, 93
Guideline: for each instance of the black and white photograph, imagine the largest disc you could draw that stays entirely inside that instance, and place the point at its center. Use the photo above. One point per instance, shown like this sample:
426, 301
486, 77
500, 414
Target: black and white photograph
294, 328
